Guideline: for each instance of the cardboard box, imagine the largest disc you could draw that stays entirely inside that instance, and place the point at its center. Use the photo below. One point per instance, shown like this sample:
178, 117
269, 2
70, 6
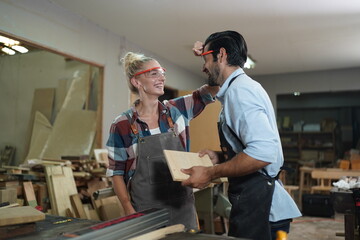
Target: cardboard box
355, 157
355, 164
344, 164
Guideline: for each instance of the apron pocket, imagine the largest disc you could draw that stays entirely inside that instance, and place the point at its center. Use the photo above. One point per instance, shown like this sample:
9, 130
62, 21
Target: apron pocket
158, 170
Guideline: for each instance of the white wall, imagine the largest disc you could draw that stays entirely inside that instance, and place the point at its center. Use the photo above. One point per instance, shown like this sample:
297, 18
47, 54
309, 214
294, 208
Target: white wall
306, 82
52, 26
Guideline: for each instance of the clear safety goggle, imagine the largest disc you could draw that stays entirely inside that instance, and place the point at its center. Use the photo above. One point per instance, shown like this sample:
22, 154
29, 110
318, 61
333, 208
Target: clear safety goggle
155, 72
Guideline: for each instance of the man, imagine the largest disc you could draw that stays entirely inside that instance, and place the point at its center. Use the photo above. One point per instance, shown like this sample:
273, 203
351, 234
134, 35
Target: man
249, 140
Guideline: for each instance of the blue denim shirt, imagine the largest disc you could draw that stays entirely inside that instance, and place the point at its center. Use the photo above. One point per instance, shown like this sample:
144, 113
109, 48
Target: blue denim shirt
248, 111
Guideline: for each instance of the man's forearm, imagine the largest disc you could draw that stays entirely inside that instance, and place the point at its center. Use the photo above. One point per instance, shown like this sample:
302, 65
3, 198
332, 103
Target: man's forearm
240, 165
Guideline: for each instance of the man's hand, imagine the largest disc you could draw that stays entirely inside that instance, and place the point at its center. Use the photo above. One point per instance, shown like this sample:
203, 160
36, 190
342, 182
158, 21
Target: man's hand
200, 177
198, 48
212, 155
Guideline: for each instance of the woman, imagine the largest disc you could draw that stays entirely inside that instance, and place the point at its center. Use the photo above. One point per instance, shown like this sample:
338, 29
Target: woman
139, 135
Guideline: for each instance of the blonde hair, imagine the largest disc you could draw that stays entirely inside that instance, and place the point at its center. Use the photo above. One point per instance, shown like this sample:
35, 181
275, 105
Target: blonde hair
132, 64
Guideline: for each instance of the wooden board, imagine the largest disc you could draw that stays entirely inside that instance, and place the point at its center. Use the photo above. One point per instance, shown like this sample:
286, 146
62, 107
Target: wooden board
18, 215
41, 130
61, 185
73, 134
161, 233
77, 206
43, 101
177, 160
205, 122
30, 194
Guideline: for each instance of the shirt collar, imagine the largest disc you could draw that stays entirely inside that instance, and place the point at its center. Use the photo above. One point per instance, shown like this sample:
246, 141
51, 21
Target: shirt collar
220, 95
161, 106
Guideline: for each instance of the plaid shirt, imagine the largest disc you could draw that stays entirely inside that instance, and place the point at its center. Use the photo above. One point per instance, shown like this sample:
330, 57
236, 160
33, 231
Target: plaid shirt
122, 143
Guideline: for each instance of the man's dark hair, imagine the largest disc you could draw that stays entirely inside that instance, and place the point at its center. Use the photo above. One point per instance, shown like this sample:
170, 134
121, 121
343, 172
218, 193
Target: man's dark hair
233, 42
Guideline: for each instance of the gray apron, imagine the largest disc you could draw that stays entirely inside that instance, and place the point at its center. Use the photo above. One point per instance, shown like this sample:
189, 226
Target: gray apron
152, 185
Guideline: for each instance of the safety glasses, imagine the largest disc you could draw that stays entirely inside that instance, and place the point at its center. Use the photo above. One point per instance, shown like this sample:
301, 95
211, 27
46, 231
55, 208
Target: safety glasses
206, 53
155, 72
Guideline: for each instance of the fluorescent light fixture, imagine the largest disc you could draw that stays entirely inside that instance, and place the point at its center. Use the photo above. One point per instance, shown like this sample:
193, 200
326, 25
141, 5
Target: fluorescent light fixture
8, 51
8, 41
20, 48
249, 63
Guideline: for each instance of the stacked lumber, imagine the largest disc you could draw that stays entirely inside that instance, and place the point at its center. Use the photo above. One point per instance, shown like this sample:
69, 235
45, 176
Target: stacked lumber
63, 187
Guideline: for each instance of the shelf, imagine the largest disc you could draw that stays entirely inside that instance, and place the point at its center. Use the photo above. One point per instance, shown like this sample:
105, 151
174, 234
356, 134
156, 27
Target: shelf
316, 147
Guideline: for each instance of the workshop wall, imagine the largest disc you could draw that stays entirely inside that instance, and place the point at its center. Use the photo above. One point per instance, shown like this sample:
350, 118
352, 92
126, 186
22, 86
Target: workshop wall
47, 24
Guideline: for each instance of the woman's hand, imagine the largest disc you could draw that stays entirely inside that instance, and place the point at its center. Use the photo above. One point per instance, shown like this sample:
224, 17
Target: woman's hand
129, 210
198, 48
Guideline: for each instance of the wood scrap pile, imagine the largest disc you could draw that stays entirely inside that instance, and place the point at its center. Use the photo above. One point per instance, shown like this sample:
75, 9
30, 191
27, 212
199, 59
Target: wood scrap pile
62, 187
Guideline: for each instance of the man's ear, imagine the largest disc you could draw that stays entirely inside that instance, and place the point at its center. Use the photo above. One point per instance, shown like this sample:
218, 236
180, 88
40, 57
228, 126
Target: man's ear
222, 55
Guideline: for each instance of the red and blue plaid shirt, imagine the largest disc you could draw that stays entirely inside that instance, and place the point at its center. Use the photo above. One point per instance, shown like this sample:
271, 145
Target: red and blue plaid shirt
122, 143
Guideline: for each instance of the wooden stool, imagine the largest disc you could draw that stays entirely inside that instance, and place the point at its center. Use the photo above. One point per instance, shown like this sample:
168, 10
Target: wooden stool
289, 188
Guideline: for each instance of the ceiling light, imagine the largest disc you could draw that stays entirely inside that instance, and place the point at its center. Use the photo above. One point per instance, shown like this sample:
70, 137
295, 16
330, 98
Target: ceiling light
8, 41
297, 93
249, 63
20, 49
8, 51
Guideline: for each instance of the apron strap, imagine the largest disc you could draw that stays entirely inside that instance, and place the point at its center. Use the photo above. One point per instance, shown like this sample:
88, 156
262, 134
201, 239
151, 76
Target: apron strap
170, 121
132, 125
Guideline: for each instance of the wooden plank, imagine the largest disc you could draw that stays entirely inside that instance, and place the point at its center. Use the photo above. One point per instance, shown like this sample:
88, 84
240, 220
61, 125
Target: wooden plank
333, 173
178, 160
43, 102
72, 135
42, 196
10, 205
69, 213
77, 206
6, 184
30, 194
76, 95
41, 130
60, 95
160, 233
61, 185
95, 184
18, 215
61, 195
49, 171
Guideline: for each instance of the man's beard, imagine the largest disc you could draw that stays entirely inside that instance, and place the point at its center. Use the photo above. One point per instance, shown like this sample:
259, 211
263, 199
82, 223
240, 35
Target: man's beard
213, 77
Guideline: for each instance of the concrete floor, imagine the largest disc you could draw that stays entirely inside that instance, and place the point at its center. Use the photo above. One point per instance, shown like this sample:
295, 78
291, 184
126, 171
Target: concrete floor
316, 228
